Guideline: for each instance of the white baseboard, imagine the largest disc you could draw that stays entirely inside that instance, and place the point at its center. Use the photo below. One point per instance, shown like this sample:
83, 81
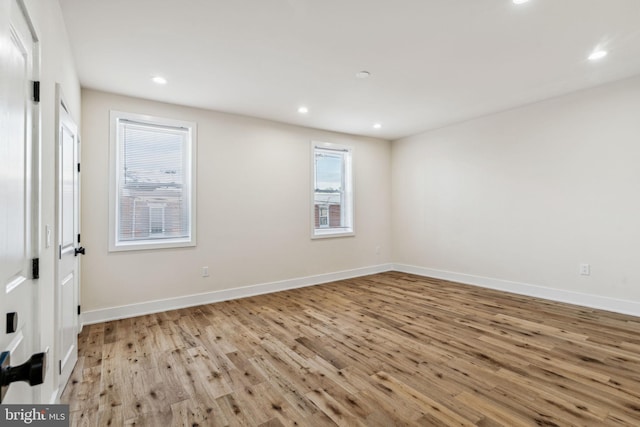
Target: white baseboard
132, 310
576, 298
559, 295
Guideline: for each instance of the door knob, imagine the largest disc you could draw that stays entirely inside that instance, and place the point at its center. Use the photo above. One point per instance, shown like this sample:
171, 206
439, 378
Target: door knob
79, 250
32, 371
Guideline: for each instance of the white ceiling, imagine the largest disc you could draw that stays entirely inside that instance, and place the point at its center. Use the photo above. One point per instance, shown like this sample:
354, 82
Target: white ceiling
432, 62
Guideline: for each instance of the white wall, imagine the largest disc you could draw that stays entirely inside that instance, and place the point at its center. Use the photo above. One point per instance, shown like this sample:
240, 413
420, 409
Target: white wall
523, 197
252, 209
56, 66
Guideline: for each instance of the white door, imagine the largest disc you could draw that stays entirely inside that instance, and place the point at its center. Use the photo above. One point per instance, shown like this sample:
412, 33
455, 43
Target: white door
68, 243
18, 233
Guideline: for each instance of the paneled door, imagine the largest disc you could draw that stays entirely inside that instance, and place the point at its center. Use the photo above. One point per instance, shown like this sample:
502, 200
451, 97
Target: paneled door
68, 242
19, 335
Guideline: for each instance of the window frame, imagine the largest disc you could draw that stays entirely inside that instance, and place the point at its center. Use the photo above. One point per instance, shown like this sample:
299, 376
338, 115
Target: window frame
347, 197
116, 245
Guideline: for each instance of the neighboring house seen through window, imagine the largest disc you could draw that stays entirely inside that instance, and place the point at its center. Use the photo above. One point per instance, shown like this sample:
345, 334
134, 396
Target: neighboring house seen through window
152, 197
332, 209
323, 216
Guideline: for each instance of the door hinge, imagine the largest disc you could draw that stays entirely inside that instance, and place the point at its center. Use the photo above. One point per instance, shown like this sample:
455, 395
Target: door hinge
78, 167
78, 237
35, 268
59, 367
36, 91
79, 311
59, 251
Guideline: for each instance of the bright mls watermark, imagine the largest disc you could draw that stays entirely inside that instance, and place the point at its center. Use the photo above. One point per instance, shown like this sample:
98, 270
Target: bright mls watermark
34, 415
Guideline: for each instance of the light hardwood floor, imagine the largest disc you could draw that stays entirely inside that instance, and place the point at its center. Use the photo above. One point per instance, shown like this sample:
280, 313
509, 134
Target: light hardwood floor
382, 350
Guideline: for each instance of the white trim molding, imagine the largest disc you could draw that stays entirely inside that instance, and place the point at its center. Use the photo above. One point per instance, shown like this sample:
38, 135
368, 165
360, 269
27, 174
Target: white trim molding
140, 309
558, 295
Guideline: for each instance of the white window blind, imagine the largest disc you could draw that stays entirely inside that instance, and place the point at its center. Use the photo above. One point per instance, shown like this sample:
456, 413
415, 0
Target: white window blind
152, 174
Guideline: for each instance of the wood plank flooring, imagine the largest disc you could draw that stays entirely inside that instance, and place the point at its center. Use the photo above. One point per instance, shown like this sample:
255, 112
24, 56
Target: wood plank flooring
391, 349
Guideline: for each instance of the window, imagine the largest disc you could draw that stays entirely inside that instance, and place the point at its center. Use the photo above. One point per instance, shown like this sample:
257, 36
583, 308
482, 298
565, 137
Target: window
323, 216
156, 218
332, 188
152, 191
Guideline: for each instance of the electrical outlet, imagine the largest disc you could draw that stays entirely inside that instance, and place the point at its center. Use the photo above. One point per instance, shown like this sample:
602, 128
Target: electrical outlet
205, 271
377, 250
585, 270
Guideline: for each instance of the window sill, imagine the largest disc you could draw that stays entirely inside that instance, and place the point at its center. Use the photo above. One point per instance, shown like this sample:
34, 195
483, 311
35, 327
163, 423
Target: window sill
151, 244
332, 233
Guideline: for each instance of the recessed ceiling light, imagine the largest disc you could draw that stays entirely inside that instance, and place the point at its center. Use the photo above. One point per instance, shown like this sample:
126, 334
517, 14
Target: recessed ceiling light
159, 80
303, 110
377, 126
520, 1
363, 74
598, 54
